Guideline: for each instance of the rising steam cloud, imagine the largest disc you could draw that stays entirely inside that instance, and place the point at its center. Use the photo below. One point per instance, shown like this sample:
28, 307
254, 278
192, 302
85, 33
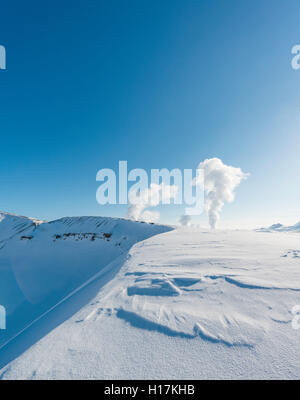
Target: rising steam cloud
219, 182
216, 179
150, 197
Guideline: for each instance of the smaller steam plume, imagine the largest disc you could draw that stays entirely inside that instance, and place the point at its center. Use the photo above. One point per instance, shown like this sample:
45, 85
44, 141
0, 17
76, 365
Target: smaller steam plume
150, 197
185, 220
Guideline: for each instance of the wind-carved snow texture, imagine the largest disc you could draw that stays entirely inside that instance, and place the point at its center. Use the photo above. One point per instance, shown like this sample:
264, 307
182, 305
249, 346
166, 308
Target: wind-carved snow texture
292, 253
223, 299
173, 286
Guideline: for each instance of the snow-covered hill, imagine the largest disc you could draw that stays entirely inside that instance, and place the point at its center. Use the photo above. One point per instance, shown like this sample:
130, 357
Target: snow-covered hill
42, 262
182, 304
281, 228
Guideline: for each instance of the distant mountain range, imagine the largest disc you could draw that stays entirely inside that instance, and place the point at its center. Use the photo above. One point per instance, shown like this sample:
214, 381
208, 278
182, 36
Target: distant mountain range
281, 228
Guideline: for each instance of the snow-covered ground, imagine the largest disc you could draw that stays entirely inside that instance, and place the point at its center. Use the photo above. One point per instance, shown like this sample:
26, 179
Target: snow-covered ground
185, 303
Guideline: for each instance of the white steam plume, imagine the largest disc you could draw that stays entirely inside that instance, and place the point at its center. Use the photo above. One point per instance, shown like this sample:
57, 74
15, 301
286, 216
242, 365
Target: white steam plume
150, 197
219, 181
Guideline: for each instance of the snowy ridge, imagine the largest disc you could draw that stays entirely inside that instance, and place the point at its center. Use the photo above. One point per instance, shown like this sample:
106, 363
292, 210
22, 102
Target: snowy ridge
43, 262
11, 225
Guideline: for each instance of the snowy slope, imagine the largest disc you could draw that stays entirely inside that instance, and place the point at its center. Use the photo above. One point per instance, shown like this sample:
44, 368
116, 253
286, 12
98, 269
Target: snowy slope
183, 304
41, 263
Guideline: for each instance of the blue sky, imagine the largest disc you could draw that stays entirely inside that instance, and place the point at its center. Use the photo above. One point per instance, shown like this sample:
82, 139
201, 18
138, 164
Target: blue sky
162, 84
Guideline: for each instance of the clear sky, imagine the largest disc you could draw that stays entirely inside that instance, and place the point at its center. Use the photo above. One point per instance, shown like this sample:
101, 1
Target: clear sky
162, 84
